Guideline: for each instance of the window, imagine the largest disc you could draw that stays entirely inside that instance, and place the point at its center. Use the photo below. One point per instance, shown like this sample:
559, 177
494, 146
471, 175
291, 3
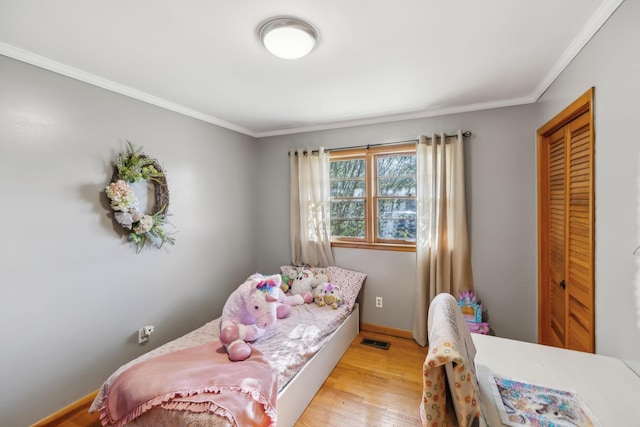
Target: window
373, 197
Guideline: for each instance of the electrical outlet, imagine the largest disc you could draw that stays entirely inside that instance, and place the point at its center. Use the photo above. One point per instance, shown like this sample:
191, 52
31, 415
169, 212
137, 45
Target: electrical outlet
142, 338
144, 333
378, 302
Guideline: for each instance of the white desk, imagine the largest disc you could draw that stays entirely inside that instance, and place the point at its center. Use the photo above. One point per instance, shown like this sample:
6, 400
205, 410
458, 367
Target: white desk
605, 384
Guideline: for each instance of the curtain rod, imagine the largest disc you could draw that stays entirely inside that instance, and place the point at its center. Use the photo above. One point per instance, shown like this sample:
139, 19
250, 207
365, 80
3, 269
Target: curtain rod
465, 134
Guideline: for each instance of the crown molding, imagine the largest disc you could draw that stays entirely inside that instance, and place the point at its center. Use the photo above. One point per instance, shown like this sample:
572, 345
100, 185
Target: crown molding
74, 73
400, 117
593, 25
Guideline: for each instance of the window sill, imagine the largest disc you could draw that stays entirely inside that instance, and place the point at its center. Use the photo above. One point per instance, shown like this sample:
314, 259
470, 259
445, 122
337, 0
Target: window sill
376, 246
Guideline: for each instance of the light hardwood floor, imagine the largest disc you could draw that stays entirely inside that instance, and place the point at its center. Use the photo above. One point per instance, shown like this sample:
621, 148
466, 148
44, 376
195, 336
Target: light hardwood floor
368, 387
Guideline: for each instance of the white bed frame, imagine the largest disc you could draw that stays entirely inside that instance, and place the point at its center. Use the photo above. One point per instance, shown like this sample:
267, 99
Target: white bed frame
298, 393
295, 397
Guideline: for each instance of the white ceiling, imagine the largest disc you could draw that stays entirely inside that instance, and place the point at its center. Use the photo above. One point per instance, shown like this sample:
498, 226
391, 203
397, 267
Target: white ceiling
376, 60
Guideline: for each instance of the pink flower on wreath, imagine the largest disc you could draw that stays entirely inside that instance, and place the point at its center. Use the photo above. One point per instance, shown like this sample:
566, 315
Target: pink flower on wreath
121, 195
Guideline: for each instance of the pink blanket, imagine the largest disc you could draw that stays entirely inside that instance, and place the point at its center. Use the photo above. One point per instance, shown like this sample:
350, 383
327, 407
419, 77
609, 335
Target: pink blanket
198, 379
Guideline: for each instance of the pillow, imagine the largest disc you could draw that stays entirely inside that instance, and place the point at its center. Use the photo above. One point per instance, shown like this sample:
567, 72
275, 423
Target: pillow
349, 281
292, 271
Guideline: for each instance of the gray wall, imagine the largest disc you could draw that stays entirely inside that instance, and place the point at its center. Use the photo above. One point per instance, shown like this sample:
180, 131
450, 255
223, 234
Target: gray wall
502, 198
74, 292
502, 217
611, 63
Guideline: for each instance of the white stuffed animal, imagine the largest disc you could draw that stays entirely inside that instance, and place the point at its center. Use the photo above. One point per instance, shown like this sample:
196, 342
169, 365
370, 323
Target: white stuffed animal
302, 285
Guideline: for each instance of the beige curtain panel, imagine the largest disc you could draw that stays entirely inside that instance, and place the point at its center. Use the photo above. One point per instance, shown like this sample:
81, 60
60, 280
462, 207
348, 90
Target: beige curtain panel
310, 208
443, 261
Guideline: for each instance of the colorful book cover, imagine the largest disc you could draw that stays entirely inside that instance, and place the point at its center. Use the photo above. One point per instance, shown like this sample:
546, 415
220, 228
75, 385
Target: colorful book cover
523, 404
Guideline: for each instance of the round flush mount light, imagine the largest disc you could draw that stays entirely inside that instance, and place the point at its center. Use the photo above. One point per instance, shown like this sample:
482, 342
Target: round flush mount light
288, 38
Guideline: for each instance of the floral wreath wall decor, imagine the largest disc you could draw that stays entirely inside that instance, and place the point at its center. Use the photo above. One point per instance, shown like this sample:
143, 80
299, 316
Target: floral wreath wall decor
133, 166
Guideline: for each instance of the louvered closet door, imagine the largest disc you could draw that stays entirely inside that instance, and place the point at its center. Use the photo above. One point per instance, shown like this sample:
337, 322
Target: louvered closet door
566, 229
579, 279
557, 234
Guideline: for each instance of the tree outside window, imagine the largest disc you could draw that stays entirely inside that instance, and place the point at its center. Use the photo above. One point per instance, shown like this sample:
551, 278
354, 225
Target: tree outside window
373, 197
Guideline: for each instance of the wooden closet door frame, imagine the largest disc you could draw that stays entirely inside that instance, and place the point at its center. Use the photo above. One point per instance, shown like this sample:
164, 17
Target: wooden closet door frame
580, 106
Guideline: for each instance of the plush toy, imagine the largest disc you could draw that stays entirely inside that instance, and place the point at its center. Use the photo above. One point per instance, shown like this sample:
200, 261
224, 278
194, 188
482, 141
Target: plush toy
330, 295
286, 283
302, 285
318, 279
284, 301
318, 294
250, 310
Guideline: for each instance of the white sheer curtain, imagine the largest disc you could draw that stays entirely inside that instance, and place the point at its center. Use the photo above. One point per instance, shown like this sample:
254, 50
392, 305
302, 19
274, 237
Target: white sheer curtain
443, 261
310, 208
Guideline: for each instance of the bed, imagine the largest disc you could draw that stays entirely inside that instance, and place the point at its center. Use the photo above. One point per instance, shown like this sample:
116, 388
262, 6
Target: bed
302, 350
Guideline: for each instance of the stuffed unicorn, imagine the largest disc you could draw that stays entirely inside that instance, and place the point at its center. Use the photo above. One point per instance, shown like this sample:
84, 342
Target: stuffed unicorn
250, 310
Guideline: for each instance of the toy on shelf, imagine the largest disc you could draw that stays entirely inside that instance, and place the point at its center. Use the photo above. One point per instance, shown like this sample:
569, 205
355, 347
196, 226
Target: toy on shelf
472, 312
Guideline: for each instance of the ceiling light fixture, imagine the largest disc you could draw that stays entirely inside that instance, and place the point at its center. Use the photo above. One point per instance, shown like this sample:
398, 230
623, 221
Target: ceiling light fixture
288, 38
